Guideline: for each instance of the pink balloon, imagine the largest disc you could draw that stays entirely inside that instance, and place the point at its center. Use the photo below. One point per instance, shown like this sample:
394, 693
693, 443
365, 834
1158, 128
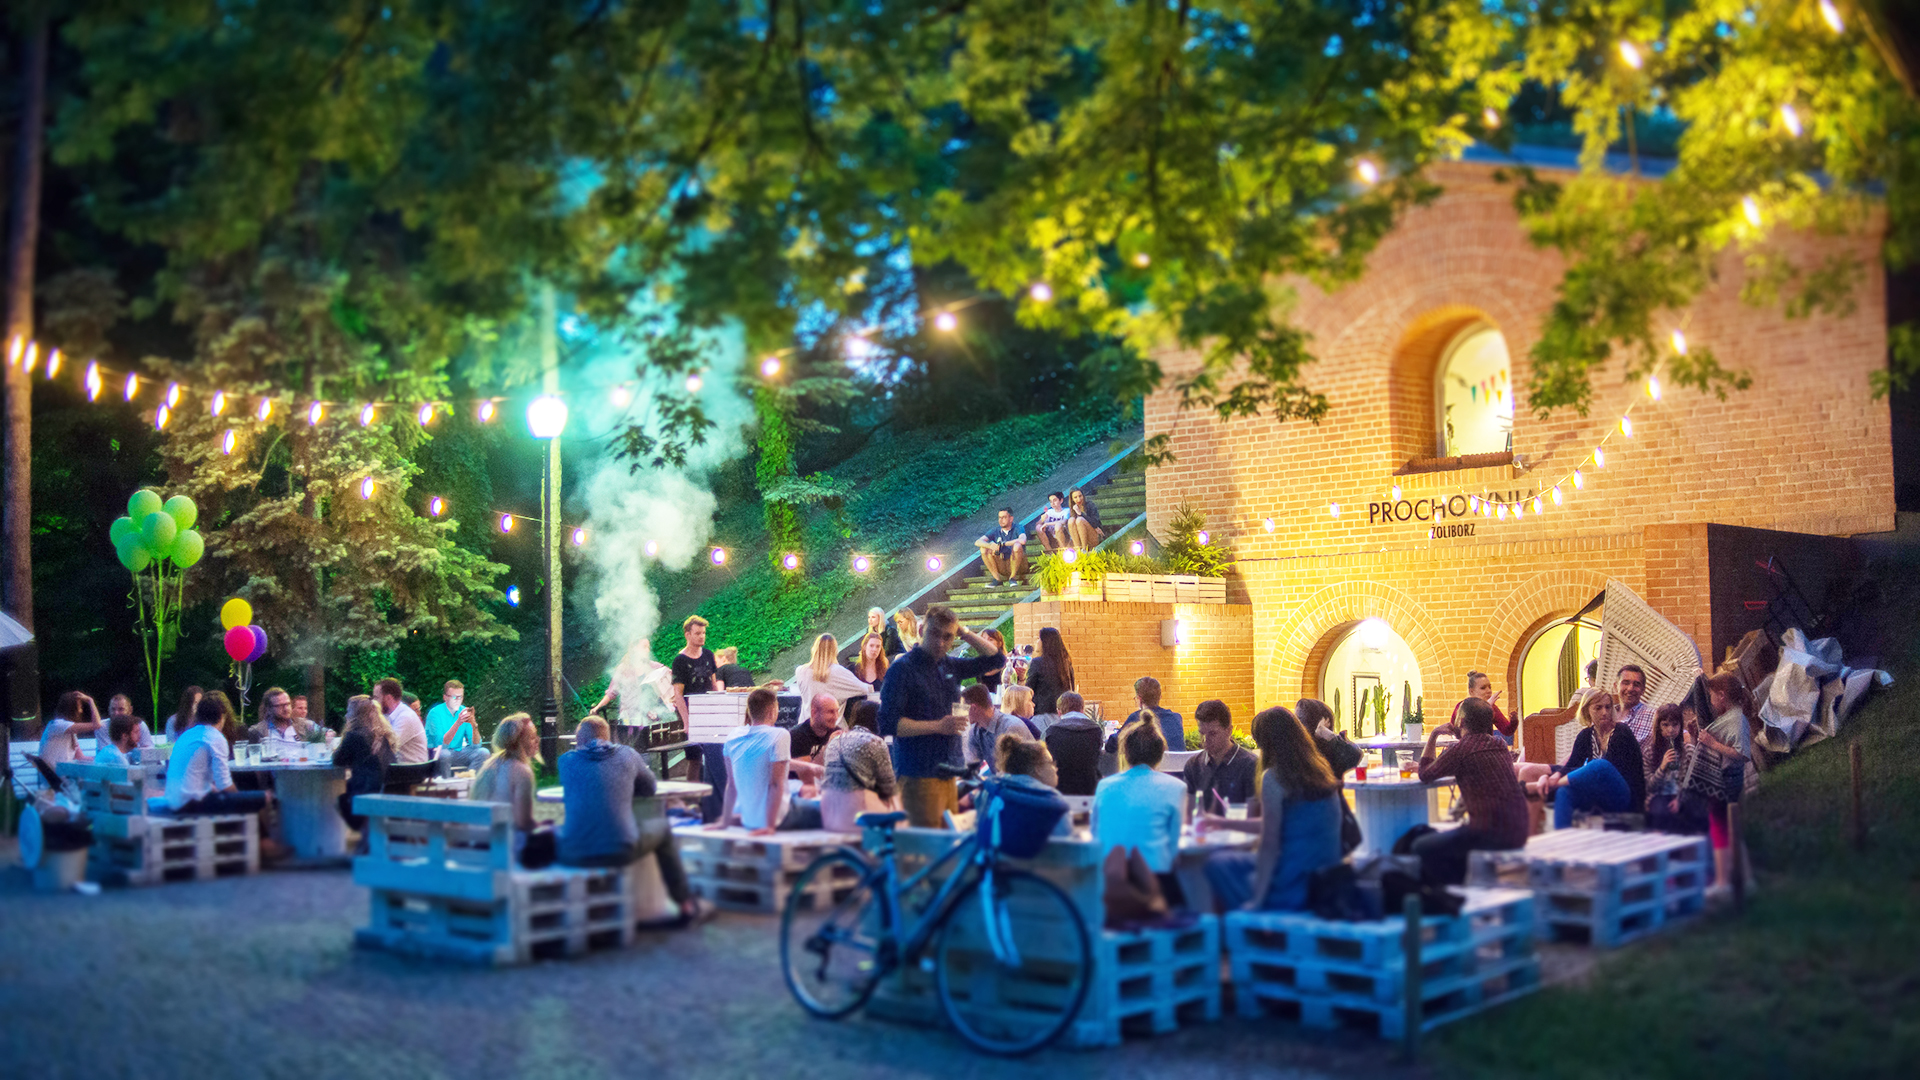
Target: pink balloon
259, 644
239, 643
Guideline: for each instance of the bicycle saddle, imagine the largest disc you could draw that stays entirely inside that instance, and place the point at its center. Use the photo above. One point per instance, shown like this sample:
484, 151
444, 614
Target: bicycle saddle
880, 821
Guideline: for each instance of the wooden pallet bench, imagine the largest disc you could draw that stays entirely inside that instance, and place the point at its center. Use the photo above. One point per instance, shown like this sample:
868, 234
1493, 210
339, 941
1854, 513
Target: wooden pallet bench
134, 843
1332, 974
739, 872
1144, 982
442, 884
1604, 888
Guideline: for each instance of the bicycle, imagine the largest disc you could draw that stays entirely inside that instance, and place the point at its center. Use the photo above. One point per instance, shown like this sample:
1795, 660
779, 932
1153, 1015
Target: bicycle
1011, 956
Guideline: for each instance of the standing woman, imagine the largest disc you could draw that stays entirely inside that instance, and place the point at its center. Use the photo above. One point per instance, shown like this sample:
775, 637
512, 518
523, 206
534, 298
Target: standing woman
1480, 686
1604, 772
366, 749
1049, 676
991, 680
1083, 521
1299, 823
1730, 735
870, 666
823, 674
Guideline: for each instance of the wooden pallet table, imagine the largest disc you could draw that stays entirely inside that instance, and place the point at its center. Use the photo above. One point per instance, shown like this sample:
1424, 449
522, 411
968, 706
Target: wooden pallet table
1604, 888
1332, 974
134, 846
740, 872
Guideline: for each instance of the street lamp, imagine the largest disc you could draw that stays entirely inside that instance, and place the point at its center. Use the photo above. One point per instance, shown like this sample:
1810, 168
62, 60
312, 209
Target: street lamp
546, 419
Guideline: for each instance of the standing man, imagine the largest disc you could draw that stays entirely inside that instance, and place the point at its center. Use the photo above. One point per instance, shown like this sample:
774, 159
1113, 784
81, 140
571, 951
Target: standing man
278, 724
916, 711
1004, 551
1634, 712
409, 734
696, 670
450, 727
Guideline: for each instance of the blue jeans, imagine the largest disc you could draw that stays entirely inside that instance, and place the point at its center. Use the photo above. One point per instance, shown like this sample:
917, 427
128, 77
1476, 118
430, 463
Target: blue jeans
1596, 787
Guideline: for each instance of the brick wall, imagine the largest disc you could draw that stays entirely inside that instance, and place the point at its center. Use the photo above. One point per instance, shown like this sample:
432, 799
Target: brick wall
1114, 644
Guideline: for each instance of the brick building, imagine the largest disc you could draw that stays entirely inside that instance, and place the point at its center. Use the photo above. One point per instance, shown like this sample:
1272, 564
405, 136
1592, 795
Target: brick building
1407, 590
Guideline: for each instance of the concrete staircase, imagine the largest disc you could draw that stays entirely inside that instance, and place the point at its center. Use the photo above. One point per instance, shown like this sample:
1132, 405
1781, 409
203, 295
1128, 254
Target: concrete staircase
1120, 498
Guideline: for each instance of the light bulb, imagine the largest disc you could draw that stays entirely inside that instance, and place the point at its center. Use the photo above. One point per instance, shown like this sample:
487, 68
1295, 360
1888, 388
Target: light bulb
366, 414
1790, 120
366, 488
266, 408
218, 406
426, 414
1752, 210
226, 442
934, 564
1368, 172
1142, 260
1599, 457
93, 382
1579, 480
1519, 510
1396, 493
862, 564
1473, 503
621, 396
694, 384
32, 357
1041, 292
436, 506
1557, 497
1334, 509
1490, 117
945, 322
133, 386
1204, 536
1653, 387
506, 523
770, 367
314, 412
513, 595
1069, 556
653, 548
1501, 512
1536, 504
53, 363
1626, 426
486, 411
1269, 524
160, 418
719, 556
546, 417
790, 561
1832, 14
173, 395
579, 537
1138, 547
16, 348
1630, 54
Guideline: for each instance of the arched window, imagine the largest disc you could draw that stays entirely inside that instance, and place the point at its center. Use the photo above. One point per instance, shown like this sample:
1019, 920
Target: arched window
1369, 661
1474, 394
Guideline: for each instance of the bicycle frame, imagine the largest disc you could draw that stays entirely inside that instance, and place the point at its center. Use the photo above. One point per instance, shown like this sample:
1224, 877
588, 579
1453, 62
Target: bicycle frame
910, 944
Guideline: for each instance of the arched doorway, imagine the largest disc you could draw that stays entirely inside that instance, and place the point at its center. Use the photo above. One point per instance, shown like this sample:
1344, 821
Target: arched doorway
1369, 659
1473, 394
1553, 662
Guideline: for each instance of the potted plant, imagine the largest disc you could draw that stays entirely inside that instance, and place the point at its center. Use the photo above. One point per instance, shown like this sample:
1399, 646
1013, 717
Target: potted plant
1198, 563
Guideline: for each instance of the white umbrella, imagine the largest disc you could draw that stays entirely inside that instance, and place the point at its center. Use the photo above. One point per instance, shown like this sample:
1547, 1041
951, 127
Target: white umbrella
12, 633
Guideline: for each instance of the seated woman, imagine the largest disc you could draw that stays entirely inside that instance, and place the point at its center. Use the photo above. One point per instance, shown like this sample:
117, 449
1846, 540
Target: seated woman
1299, 823
1482, 766
507, 777
859, 772
1025, 763
365, 751
1603, 774
1053, 524
1083, 521
1137, 815
1479, 685
1670, 807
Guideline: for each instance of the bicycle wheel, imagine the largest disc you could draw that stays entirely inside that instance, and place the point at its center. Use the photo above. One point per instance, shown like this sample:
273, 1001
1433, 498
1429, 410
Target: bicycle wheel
831, 933
1017, 988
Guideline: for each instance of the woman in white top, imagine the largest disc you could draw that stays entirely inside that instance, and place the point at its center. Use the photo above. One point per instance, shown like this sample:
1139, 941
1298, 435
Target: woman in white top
824, 675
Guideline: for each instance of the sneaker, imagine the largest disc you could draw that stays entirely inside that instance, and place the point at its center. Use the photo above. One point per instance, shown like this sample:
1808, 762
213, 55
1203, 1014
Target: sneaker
696, 911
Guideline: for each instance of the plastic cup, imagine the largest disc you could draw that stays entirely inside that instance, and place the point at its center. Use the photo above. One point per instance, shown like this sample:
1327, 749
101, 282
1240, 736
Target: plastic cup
1236, 811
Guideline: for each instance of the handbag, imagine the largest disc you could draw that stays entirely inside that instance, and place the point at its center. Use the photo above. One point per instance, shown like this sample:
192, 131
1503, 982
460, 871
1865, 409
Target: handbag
1704, 773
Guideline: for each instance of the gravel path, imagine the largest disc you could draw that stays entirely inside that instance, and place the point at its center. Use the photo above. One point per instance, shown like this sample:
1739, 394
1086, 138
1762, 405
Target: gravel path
257, 977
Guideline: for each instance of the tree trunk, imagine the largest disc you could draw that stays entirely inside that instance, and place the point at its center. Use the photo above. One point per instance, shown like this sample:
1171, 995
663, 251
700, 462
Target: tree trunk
16, 515
317, 692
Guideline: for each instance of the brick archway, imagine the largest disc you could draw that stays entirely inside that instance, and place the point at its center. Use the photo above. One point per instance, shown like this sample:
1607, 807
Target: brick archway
1305, 637
1410, 378
1548, 595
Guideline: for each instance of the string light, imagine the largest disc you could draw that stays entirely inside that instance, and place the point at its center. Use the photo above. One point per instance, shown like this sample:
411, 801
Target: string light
484, 412
1204, 536
1490, 117
1473, 501
1653, 387
945, 322
1599, 457
1557, 498
694, 384
1368, 172
621, 396
653, 548
506, 523
1790, 120
160, 418
770, 367
32, 357
426, 414
1626, 426
1142, 260
1501, 511
934, 564
436, 506
1334, 509
1269, 524
266, 408
16, 348
94, 382
862, 564
366, 488
1680, 342
366, 414
1752, 210
314, 412
219, 396
133, 386
1138, 547
513, 595
53, 363
173, 395
1579, 480
1832, 14
1396, 495
1630, 54
719, 556
226, 442
1041, 292
1068, 556
1536, 504
579, 537
790, 561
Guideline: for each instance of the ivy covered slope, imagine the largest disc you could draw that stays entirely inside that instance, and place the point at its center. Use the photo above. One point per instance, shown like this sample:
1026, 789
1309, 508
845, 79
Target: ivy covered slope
900, 489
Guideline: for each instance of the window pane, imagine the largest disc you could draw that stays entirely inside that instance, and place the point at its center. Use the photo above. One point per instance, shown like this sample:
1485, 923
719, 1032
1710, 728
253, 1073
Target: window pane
1476, 395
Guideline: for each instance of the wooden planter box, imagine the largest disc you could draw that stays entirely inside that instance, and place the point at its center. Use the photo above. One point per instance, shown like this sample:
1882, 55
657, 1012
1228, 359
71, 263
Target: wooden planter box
1077, 589
1165, 589
1129, 588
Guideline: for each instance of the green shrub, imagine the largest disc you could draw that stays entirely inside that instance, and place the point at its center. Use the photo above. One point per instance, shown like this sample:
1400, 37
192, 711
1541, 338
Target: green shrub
1185, 554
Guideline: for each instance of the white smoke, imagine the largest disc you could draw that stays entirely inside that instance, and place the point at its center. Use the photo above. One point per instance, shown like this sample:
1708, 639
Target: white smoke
635, 519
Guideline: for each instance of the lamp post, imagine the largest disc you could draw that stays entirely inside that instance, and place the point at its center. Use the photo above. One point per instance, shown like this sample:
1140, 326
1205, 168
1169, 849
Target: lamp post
546, 419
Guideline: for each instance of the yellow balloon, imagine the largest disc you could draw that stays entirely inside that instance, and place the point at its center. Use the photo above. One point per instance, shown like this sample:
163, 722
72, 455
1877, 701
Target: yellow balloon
235, 612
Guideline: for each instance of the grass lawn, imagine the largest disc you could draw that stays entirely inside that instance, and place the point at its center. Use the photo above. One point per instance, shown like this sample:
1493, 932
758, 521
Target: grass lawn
1821, 975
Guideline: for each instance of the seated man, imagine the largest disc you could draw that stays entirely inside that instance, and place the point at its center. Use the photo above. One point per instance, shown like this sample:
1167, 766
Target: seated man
1496, 805
450, 727
1074, 740
1223, 772
1003, 550
1146, 697
198, 780
808, 739
122, 705
409, 733
600, 779
279, 724
1053, 524
1137, 816
123, 739
986, 724
757, 765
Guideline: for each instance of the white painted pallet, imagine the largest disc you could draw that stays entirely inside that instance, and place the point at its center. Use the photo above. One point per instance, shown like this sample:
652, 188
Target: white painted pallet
740, 872
711, 717
150, 849
1604, 888
1329, 974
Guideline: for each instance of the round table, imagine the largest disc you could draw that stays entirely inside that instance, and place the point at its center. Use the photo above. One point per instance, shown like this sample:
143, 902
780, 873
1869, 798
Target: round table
665, 789
1390, 747
309, 799
1386, 809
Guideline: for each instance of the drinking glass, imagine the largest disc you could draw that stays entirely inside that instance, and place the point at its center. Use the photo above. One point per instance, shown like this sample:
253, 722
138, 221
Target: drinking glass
1236, 811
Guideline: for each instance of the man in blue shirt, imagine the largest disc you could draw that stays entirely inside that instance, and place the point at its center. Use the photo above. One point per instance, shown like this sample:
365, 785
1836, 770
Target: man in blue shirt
1004, 551
1146, 691
916, 710
450, 727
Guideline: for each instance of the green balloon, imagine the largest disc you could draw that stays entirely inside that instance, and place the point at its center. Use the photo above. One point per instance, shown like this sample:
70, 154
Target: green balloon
123, 530
135, 559
187, 548
182, 511
158, 530
142, 503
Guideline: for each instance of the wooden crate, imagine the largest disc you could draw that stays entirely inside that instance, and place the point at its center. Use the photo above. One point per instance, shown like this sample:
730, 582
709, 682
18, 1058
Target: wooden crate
147, 849
1331, 974
739, 872
1212, 590
711, 717
1604, 888
1129, 588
